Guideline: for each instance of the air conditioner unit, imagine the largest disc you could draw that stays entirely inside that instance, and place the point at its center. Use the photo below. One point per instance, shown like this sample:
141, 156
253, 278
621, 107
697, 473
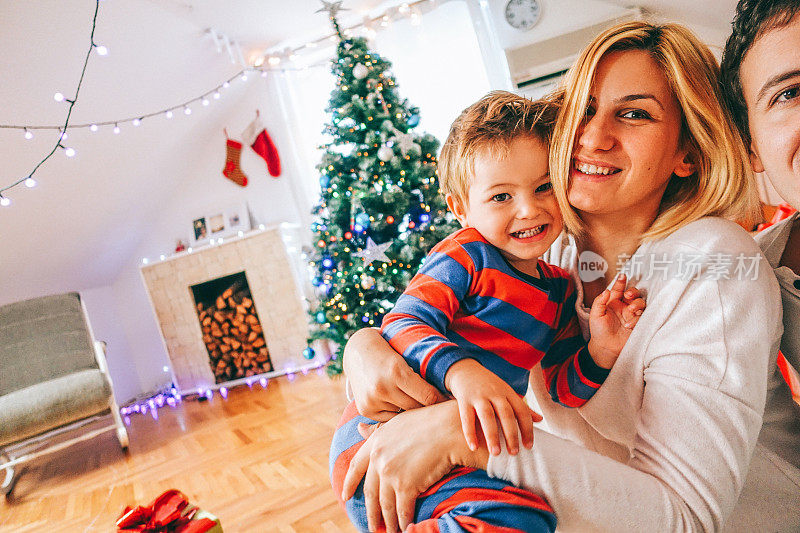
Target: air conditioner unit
537, 68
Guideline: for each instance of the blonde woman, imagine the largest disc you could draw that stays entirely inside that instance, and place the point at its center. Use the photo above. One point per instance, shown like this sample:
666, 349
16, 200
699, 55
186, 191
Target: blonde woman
647, 168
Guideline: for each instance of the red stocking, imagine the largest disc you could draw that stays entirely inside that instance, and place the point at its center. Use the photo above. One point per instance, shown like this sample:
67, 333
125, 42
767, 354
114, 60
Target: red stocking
233, 168
257, 137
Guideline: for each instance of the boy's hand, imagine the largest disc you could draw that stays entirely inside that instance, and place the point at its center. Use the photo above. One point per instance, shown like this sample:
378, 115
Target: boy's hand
613, 315
481, 393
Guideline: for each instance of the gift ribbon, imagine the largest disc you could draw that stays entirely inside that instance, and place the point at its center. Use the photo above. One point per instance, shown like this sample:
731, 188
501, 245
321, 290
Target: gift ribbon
169, 513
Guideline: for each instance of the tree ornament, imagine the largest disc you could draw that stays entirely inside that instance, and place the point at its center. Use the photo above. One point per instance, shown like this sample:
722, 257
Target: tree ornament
406, 142
309, 353
367, 282
413, 121
362, 219
385, 153
332, 8
360, 71
374, 252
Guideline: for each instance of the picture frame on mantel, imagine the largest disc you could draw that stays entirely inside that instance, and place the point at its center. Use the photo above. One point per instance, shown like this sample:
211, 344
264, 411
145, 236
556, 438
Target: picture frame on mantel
220, 222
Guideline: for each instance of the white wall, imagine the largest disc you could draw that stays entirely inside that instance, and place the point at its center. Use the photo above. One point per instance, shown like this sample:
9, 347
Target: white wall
437, 64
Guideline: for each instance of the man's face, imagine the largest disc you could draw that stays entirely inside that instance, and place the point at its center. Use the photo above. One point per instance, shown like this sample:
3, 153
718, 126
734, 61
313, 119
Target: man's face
770, 77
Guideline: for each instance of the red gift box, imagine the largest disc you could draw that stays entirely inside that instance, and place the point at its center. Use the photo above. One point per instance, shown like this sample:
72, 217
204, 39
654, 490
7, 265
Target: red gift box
169, 513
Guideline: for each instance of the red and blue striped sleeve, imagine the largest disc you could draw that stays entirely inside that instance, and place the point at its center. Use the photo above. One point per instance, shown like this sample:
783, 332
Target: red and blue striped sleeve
417, 325
571, 374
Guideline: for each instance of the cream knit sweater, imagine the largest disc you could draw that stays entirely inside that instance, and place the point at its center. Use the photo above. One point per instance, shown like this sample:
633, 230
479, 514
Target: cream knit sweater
666, 442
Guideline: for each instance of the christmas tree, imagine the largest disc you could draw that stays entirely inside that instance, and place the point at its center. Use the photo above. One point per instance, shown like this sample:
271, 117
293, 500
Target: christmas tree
380, 209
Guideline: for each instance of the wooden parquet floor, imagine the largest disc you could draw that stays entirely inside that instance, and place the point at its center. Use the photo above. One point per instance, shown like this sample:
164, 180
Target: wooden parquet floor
258, 460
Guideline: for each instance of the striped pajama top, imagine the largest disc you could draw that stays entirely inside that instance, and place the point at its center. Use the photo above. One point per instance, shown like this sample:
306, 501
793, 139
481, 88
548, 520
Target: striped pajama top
467, 302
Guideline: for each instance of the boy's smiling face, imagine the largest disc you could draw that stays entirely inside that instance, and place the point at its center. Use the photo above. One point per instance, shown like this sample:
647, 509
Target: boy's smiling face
770, 78
511, 203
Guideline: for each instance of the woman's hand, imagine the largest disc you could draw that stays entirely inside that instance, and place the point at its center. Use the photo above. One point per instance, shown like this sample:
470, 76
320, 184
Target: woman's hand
381, 381
405, 456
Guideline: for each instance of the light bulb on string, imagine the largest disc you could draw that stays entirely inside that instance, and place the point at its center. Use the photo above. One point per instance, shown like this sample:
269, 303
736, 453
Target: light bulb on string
63, 135
28, 134
244, 76
101, 50
30, 183
205, 101
93, 127
187, 110
226, 85
58, 97
69, 152
137, 121
168, 114
216, 95
116, 128
5, 201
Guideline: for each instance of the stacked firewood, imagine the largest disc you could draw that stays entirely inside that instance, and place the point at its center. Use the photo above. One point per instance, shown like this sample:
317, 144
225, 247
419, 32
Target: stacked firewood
233, 336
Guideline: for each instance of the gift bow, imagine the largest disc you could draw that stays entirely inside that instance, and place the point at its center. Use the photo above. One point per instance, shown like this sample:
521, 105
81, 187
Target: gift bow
169, 513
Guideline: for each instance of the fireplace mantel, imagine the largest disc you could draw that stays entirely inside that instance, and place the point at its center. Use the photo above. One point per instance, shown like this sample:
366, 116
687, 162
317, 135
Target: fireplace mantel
263, 256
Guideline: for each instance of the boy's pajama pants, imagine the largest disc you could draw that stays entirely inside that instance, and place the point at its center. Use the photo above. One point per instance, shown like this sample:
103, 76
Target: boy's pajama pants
464, 500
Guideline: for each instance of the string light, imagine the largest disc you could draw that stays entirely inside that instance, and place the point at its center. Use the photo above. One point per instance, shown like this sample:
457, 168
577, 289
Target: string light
30, 183
136, 120
411, 10
66, 120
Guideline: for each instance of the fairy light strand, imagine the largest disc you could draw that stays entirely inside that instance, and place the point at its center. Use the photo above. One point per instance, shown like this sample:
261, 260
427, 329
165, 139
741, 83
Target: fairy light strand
72, 103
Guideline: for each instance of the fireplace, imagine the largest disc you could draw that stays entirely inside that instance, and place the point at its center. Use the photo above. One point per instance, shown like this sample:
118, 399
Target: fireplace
272, 268
232, 332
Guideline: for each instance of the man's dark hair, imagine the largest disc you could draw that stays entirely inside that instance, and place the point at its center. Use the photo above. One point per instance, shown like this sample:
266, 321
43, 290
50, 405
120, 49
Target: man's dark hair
752, 20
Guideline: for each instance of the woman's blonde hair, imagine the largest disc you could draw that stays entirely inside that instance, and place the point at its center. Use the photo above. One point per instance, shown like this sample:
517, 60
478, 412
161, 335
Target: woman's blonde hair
722, 184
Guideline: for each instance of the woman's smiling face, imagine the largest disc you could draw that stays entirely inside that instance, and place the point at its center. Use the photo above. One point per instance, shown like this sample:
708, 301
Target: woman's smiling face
629, 146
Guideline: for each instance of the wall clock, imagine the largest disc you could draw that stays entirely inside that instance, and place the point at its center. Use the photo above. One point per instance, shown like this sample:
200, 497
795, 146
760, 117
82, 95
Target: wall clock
523, 14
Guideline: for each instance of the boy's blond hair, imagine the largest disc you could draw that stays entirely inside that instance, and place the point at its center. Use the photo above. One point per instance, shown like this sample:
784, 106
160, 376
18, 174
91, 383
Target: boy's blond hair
490, 124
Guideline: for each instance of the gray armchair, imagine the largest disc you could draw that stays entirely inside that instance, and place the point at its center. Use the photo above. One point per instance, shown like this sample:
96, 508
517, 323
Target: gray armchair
53, 380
